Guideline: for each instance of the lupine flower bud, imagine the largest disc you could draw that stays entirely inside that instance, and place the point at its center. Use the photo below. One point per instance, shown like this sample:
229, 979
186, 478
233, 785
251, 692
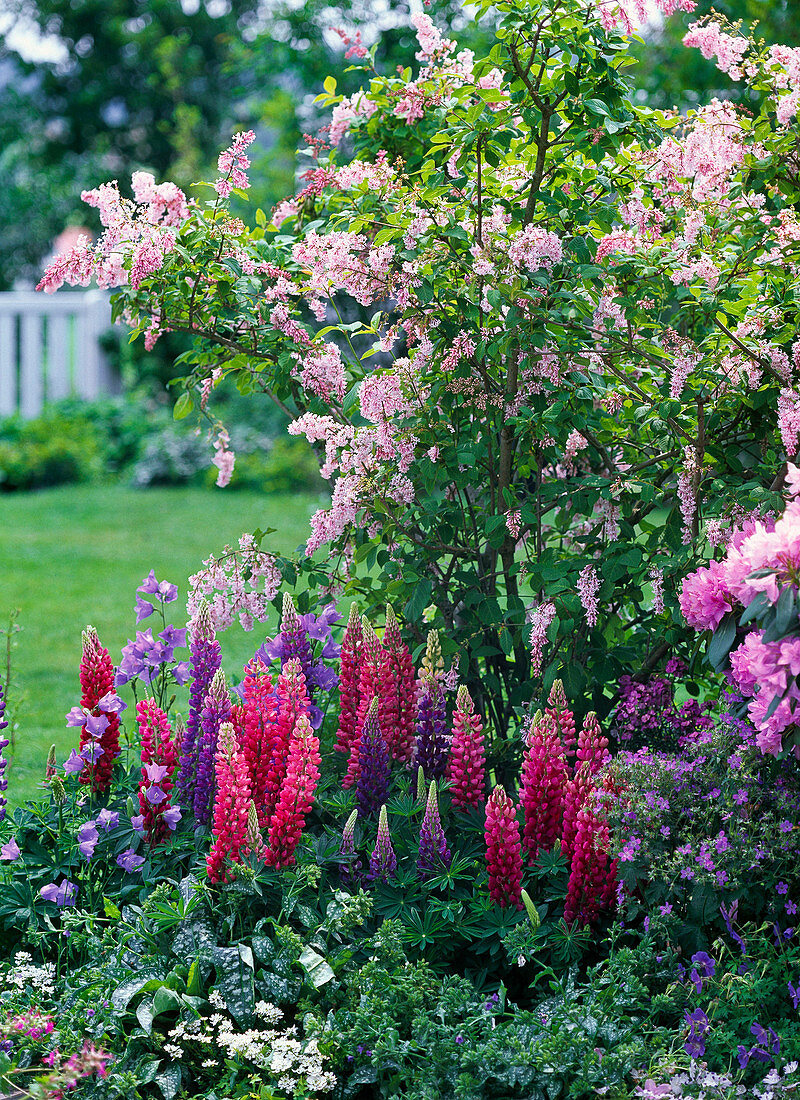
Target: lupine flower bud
351, 870
542, 785
531, 910
372, 786
466, 768
383, 861
434, 855
50, 765
97, 680
349, 677
206, 658
58, 790
297, 794
216, 710
422, 786
430, 750
593, 875
503, 855
231, 805
563, 717
254, 840
433, 660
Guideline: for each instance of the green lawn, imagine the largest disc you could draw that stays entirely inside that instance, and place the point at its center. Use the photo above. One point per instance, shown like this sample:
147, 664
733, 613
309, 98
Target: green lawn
75, 555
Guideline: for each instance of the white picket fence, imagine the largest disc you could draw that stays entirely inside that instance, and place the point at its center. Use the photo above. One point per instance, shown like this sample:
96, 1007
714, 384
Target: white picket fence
50, 348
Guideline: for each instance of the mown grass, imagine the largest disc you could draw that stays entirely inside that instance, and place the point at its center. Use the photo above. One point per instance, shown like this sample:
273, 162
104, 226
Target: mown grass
75, 555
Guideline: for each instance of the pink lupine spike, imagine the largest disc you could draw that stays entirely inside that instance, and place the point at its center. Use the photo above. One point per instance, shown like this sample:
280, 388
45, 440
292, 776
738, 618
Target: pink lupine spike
576, 793
296, 797
349, 678
369, 688
593, 873
558, 709
259, 719
399, 712
592, 745
293, 703
503, 850
231, 806
542, 787
466, 767
97, 680
159, 748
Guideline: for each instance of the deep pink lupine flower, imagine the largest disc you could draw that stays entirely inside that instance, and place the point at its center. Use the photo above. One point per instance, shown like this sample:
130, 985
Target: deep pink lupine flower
399, 689
231, 805
293, 703
593, 875
368, 688
466, 768
592, 744
97, 681
297, 795
349, 678
159, 760
257, 737
503, 850
576, 793
542, 786
558, 709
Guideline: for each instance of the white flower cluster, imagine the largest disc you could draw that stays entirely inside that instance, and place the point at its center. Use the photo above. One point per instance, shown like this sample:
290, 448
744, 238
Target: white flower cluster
24, 974
296, 1065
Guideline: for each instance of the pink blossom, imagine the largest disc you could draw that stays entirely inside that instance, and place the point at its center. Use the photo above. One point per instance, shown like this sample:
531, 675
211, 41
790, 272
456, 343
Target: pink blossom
233, 164
224, 458
588, 585
705, 598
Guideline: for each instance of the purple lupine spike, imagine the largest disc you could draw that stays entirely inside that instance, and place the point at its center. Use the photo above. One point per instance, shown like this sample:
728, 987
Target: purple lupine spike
216, 710
432, 743
3, 745
351, 869
434, 855
383, 861
372, 785
206, 659
294, 637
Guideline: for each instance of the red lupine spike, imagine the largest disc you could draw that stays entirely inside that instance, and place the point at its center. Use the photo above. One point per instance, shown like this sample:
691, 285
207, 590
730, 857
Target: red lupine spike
260, 712
237, 719
231, 805
543, 783
368, 688
592, 745
558, 710
593, 874
399, 695
503, 855
97, 680
296, 797
293, 702
576, 793
466, 767
349, 678
158, 747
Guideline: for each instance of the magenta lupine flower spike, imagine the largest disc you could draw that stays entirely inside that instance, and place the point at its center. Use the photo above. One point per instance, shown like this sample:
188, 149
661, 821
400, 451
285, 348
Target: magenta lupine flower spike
296, 797
399, 691
592, 745
576, 793
466, 768
159, 757
4, 743
430, 749
434, 855
292, 703
542, 786
231, 805
216, 710
383, 861
350, 870
295, 641
368, 688
206, 658
559, 711
97, 681
503, 854
372, 785
349, 676
593, 875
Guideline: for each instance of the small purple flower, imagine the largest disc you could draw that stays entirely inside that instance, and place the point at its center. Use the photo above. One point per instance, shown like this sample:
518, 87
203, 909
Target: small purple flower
96, 725
107, 819
143, 609
174, 637
182, 672
786, 826
791, 908
704, 963
63, 894
781, 888
172, 816
111, 703
137, 823
459, 1039
155, 772
91, 752
87, 839
10, 851
154, 795
73, 764
740, 797
129, 861
794, 993
77, 716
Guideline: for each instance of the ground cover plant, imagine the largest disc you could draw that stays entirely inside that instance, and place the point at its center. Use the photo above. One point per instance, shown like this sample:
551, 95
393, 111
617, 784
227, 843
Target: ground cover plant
478, 816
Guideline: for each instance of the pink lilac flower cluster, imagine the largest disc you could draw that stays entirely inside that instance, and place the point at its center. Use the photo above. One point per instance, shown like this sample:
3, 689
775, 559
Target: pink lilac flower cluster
239, 582
233, 164
762, 562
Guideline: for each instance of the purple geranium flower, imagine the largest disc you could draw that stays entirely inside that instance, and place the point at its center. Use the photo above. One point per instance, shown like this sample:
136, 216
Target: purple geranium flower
129, 861
794, 993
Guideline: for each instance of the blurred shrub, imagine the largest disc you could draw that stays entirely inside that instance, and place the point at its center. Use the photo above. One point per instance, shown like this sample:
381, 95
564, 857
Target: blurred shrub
286, 466
50, 450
